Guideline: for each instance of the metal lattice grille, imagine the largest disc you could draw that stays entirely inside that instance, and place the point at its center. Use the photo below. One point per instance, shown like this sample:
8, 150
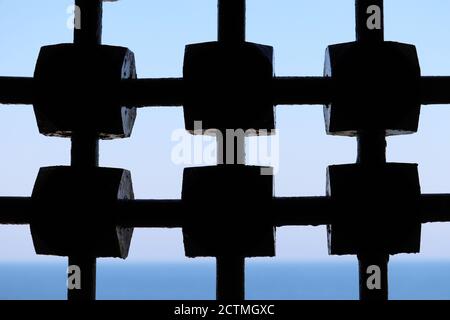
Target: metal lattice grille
227, 84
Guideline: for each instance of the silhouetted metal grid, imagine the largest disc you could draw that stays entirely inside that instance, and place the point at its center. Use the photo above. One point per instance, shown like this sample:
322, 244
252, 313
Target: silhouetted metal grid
131, 92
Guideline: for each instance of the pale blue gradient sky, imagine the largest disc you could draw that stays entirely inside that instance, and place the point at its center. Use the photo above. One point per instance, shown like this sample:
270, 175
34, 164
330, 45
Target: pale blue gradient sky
157, 32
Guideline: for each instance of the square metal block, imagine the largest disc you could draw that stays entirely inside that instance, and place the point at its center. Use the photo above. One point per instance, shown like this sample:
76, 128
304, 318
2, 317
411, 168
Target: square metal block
229, 212
376, 87
229, 87
76, 212
376, 209
76, 90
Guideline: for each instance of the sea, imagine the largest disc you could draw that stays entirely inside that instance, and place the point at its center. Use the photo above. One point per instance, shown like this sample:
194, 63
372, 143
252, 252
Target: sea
196, 281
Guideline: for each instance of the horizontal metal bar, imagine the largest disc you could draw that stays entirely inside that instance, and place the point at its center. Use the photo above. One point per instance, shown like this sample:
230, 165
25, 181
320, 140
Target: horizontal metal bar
151, 92
287, 211
172, 213
15, 210
302, 90
302, 211
295, 211
151, 213
170, 91
435, 208
435, 90
16, 90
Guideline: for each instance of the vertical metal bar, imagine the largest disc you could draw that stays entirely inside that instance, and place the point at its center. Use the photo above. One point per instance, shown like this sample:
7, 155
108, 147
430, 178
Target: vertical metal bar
365, 11
230, 284
85, 150
372, 152
365, 262
90, 15
230, 278
85, 155
231, 17
88, 267
371, 144
231, 269
371, 148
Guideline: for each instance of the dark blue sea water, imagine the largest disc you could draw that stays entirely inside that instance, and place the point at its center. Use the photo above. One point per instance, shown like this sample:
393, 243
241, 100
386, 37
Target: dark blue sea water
430, 280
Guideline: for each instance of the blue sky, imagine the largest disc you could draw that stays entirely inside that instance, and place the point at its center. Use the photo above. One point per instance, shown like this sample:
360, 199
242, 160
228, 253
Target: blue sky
157, 32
